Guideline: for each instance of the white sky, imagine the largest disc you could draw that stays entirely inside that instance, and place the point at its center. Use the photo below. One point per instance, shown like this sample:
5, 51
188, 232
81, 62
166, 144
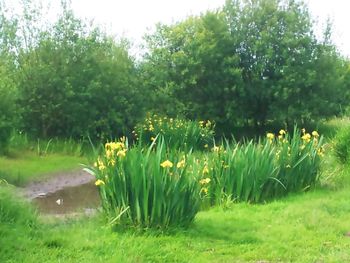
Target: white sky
132, 18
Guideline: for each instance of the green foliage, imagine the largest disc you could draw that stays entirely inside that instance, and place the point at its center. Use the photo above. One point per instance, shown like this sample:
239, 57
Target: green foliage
177, 133
8, 109
341, 144
78, 82
249, 64
146, 187
269, 169
14, 210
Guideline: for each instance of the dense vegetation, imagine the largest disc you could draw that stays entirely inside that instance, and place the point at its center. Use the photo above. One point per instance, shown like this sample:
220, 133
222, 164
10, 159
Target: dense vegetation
175, 183
249, 64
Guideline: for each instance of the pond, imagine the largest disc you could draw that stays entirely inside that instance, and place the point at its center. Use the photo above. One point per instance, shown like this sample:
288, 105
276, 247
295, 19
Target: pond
69, 200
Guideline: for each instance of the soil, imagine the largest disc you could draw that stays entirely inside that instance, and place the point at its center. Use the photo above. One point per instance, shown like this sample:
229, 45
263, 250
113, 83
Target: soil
56, 182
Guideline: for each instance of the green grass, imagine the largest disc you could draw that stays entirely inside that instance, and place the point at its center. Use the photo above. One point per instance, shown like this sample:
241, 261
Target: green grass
307, 227
19, 168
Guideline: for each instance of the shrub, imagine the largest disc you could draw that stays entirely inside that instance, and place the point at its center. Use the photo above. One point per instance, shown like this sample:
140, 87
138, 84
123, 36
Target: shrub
177, 133
341, 145
146, 187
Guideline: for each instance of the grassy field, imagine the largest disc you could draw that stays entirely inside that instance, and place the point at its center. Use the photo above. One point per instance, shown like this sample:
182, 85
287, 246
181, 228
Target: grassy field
302, 227
21, 168
307, 227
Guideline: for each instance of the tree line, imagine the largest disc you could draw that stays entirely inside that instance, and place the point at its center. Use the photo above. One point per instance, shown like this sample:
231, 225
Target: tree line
248, 64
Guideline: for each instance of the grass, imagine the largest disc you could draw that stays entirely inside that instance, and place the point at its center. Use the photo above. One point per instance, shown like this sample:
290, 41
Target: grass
21, 168
307, 227
302, 227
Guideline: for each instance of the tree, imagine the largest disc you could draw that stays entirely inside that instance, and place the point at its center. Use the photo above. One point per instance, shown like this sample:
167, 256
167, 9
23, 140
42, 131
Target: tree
77, 81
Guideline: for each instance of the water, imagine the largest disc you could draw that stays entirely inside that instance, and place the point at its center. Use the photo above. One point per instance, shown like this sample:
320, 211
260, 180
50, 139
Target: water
68, 200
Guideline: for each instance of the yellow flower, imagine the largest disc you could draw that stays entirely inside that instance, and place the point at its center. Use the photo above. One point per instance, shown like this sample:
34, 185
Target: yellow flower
100, 164
205, 170
208, 124
99, 182
166, 164
181, 164
315, 134
113, 146
121, 153
201, 123
270, 136
282, 132
303, 130
204, 190
306, 137
109, 154
151, 128
216, 149
205, 181
152, 139
111, 162
206, 146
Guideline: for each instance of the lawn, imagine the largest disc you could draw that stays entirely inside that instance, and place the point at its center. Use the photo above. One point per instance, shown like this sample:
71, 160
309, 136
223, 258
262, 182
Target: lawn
308, 226
19, 168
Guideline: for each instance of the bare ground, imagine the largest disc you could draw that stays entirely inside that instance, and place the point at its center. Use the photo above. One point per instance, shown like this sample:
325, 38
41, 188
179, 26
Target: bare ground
56, 182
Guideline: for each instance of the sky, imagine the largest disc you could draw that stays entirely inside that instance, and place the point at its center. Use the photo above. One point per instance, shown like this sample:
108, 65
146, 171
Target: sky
133, 18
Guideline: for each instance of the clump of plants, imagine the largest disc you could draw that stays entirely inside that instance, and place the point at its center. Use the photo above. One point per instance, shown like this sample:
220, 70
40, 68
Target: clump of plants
341, 144
177, 133
147, 187
273, 167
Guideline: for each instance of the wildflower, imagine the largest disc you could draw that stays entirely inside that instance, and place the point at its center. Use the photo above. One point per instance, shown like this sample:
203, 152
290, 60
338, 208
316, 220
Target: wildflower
121, 153
109, 154
152, 139
151, 128
303, 130
166, 164
270, 136
181, 164
320, 152
111, 162
206, 146
99, 182
282, 132
205, 170
306, 137
201, 123
204, 190
216, 149
205, 181
315, 134
101, 166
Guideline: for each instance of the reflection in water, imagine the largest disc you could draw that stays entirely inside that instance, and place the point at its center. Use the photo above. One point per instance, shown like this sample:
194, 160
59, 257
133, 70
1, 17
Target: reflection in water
68, 200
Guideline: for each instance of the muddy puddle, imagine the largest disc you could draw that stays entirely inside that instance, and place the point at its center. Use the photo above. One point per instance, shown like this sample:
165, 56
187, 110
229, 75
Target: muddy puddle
80, 198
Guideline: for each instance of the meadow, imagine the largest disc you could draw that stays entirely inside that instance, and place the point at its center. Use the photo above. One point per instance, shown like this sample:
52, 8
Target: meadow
306, 224
225, 139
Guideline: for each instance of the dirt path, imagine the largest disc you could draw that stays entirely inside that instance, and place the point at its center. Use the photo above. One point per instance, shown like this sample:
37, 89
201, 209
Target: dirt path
57, 182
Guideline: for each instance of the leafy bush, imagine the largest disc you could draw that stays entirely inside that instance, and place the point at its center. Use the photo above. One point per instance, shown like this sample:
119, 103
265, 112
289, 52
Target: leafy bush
341, 145
146, 187
271, 168
177, 133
